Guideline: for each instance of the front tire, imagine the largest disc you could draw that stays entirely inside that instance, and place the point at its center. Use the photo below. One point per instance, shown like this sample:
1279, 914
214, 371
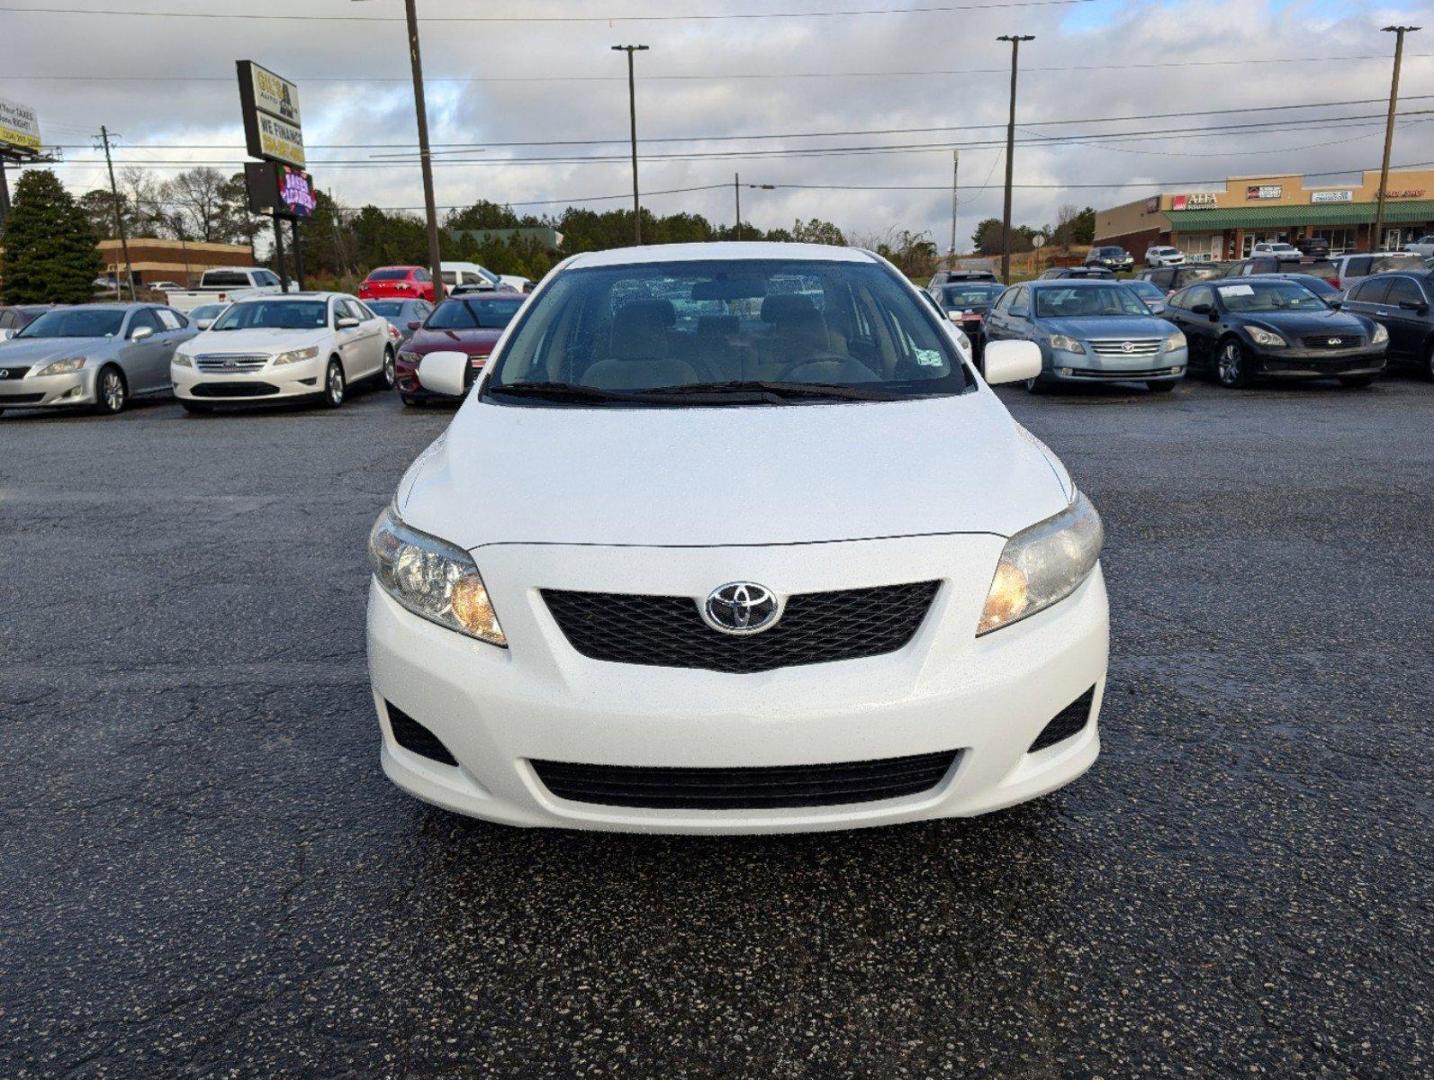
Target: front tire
335, 385
1232, 364
1038, 385
111, 391
389, 375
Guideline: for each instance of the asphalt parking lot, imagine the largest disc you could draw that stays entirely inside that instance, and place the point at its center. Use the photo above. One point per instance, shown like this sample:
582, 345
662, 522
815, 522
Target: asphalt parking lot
205, 872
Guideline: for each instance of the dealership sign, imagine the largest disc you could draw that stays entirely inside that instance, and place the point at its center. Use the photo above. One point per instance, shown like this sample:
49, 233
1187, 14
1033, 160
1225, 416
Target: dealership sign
1264, 191
1200, 200
270, 105
19, 127
1331, 196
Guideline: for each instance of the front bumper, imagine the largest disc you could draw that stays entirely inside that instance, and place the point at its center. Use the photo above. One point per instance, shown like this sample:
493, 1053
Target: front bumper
269, 383
1318, 363
1095, 368
49, 391
499, 710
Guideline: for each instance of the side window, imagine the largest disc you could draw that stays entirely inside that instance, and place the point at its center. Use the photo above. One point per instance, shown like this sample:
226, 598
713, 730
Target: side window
1403, 290
1180, 299
422, 275
1003, 302
170, 320
1370, 291
1199, 294
1019, 302
143, 317
1358, 267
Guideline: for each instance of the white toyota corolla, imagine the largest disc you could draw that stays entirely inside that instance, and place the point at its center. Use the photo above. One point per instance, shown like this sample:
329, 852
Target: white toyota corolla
732, 538
277, 348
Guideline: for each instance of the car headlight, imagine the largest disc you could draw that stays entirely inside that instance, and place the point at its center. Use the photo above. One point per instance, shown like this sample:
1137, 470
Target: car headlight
1043, 564
1175, 341
61, 367
180, 359
1381, 335
296, 356
1264, 337
410, 358
432, 578
1066, 344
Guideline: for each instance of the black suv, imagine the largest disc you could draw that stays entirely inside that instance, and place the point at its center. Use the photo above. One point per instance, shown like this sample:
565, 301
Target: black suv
1401, 304
1174, 278
1111, 256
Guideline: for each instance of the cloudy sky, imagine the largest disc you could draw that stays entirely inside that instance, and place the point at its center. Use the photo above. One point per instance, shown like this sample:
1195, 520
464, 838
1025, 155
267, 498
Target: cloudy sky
919, 76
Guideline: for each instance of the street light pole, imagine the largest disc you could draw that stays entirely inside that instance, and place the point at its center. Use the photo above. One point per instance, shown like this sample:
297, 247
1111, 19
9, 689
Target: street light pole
737, 193
632, 115
1399, 32
955, 201
1015, 40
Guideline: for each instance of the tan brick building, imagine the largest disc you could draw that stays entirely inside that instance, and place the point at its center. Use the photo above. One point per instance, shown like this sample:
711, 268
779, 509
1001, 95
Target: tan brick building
1226, 222
172, 260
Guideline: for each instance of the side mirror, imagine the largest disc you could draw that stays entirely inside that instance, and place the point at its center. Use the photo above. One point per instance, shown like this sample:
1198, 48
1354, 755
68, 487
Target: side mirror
6, 334
1335, 302
444, 373
346, 322
414, 324
1202, 309
203, 324
954, 316
141, 332
1011, 361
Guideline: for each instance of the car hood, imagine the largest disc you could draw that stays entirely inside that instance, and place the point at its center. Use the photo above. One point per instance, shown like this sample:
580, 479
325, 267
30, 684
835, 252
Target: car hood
732, 476
427, 341
259, 340
39, 350
1300, 323
1109, 326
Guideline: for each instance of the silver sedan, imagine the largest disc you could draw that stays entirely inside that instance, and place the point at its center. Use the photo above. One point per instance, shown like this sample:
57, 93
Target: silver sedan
91, 355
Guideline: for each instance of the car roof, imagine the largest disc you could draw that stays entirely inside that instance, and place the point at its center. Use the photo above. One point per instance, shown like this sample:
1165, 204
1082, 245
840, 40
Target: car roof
1074, 282
289, 296
746, 249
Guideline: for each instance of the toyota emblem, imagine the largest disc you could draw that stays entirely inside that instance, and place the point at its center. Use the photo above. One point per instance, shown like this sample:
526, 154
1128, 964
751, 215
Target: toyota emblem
741, 608
4, 373
1127, 346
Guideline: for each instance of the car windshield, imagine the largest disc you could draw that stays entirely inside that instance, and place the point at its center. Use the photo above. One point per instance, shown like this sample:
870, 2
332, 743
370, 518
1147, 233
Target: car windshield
727, 331
75, 323
476, 312
969, 296
1086, 300
389, 309
1110, 251
275, 315
1250, 296
1396, 262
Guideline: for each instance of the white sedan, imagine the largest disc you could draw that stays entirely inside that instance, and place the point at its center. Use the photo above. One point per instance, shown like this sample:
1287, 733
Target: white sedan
734, 538
279, 348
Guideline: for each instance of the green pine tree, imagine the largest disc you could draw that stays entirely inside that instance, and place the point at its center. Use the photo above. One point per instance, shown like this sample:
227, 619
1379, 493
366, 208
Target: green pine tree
50, 253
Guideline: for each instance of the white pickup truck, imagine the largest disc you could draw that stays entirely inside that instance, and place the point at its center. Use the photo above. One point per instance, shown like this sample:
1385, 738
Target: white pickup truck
1423, 246
224, 284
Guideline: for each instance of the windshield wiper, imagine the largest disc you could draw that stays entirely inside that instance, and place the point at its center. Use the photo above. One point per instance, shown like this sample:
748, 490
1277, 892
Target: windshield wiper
770, 389
561, 391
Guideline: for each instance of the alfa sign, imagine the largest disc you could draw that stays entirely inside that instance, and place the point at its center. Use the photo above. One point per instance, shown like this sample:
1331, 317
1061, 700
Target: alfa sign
270, 105
19, 127
1200, 200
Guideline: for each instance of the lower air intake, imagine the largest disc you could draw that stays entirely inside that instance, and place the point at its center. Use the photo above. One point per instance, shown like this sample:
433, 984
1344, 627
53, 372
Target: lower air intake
1069, 722
774, 787
415, 738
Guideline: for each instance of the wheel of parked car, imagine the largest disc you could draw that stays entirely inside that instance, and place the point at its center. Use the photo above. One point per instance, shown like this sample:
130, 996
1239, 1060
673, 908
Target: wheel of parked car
1164, 387
390, 368
111, 393
1232, 366
1037, 386
334, 384
1356, 381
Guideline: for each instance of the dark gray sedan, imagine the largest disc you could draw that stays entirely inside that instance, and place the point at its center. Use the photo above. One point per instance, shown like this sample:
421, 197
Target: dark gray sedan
405, 316
91, 355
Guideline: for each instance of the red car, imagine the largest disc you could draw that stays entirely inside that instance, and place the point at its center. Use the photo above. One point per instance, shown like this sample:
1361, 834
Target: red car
471, 323
397, 283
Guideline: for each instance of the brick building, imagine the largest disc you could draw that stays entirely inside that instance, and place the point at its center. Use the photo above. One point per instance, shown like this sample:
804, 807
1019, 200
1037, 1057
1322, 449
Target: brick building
172, 260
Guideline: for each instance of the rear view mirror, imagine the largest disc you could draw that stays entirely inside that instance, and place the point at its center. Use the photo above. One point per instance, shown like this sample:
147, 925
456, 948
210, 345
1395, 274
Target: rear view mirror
1335, 302
6, 334
1011, 361
203, 324
141, 332
1202, 309
414, 324
444, 373
347, 322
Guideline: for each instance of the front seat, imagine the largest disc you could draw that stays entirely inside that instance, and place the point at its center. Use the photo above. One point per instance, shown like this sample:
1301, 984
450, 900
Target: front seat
639, 356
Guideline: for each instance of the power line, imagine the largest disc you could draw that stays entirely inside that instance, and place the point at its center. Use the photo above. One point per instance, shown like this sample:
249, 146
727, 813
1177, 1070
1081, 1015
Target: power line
683, 17
728, 77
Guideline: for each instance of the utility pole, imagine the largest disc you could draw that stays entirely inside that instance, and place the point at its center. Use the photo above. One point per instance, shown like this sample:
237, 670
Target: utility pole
119, 218
737, 194
1015, 40
632, 115
425, 158
4, 193
955, 175
1399, 31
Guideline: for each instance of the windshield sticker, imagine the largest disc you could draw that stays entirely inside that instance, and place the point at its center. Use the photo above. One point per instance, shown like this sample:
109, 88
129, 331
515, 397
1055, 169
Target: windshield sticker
929, 358
1236, 290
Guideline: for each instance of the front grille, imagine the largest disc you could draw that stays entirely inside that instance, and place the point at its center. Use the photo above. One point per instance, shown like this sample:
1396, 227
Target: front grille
1334, 341
1068, 722
15, 372
668, 631
233, 389
773, 787
415, 738
238, 363
19, 399
1117, 346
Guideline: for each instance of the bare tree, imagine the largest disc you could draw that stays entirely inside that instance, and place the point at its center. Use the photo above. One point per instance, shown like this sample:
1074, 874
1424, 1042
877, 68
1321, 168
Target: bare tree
198, 200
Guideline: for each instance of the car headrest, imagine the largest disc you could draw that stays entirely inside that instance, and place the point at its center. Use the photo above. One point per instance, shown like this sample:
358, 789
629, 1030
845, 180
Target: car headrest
639, 330
788, 308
